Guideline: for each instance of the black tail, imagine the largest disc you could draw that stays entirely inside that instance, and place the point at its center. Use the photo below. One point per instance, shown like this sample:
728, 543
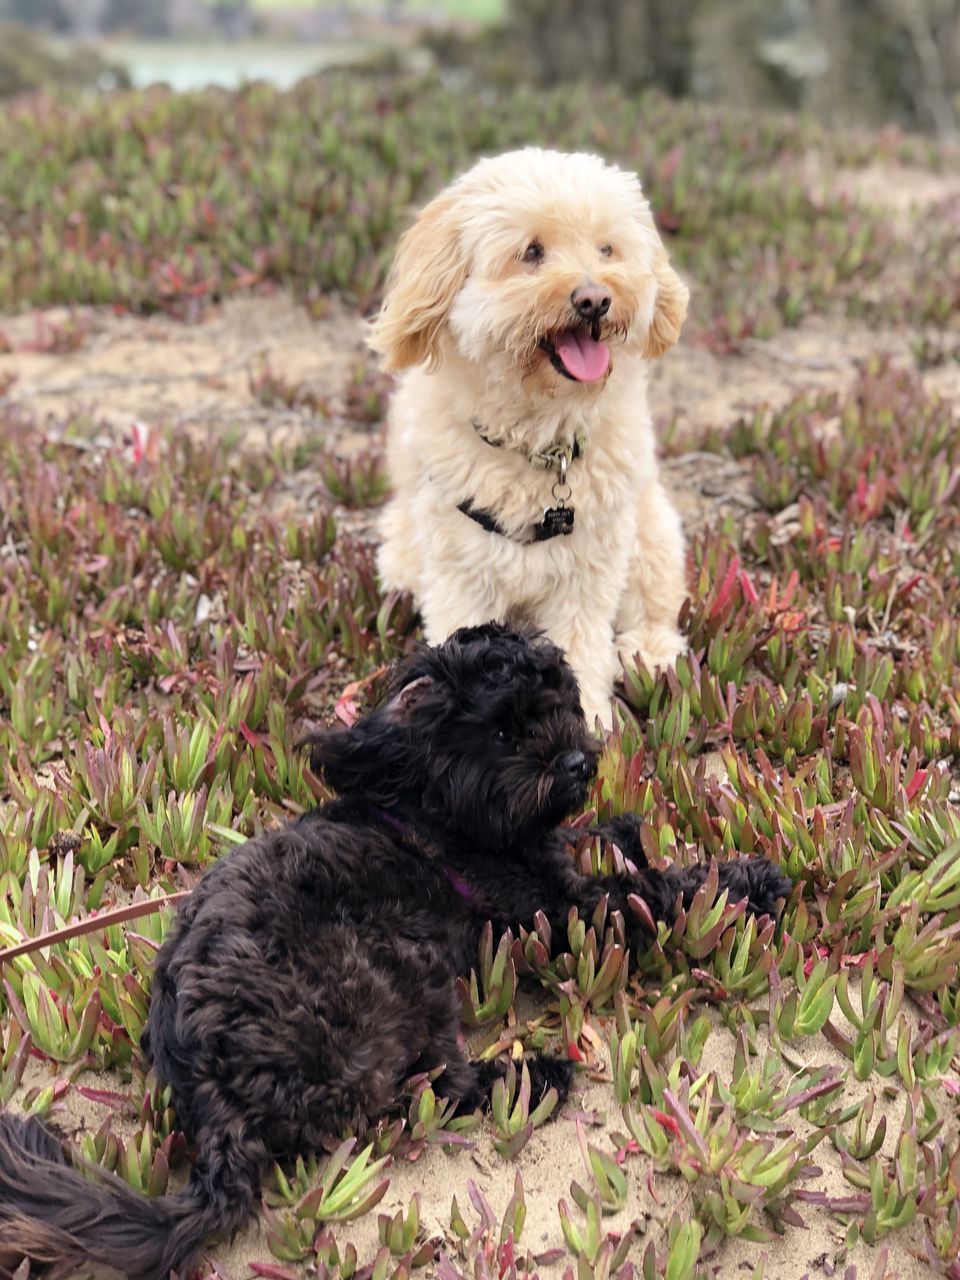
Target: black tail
65, 1221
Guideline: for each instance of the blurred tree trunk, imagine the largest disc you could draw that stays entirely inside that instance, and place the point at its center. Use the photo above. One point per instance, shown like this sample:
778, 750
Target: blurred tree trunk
889, 58
634, 42
935, 45
670, 28
726, 66
847, 61
825, 91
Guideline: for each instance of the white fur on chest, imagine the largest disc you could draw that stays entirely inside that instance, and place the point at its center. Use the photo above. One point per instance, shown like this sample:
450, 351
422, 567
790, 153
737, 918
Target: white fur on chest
457, 450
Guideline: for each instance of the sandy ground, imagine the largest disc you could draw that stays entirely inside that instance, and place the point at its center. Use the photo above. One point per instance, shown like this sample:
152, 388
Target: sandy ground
158, 370
129, 370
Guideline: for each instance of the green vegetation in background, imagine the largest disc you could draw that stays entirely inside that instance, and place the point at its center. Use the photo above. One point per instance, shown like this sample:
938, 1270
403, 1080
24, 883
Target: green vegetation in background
154, 201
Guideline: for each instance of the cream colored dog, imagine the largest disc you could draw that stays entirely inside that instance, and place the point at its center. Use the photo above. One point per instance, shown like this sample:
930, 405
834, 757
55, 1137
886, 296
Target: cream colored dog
523, 306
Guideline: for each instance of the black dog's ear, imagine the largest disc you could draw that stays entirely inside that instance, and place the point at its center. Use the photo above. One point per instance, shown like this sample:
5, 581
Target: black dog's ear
376, 758
404, 703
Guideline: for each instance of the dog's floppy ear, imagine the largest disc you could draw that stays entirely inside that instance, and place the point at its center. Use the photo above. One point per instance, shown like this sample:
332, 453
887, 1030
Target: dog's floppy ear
669, 309
409, 697
372, 758
428, 272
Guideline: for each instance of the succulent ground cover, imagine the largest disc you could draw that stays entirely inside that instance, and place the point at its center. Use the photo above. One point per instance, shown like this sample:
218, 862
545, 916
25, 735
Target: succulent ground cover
156, 200
170, 623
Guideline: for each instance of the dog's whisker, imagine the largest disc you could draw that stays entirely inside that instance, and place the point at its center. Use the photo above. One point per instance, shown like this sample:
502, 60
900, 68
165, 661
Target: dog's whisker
544, 787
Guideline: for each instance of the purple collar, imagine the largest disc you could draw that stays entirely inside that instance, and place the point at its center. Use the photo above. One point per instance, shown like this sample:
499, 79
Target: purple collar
461, 886
456, 880
398, 824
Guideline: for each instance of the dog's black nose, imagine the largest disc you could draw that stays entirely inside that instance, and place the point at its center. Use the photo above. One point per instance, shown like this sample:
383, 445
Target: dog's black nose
575, 762
591, 301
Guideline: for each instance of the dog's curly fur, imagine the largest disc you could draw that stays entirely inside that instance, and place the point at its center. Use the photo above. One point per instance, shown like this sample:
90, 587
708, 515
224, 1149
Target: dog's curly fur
313, 970
482, 291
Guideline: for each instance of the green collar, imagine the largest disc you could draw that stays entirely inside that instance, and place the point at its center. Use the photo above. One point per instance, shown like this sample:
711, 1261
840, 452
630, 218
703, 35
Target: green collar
555, 458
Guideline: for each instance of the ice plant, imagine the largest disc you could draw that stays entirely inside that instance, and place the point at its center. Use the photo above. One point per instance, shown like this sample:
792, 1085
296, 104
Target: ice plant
166, 637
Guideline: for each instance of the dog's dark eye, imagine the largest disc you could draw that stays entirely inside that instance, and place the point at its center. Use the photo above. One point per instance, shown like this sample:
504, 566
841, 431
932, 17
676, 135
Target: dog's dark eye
607, 250
533, 252
502, 735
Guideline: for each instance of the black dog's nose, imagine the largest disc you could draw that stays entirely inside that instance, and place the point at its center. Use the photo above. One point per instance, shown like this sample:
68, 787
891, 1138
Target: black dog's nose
574, 762
591, 301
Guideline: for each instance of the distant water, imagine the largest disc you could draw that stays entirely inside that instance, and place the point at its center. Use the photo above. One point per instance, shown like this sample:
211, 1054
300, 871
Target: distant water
193, 66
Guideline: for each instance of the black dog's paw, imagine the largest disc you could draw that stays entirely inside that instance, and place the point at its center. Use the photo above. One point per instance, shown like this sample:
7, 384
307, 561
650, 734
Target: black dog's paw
759, 881
769, 885
549, 1072
624, 832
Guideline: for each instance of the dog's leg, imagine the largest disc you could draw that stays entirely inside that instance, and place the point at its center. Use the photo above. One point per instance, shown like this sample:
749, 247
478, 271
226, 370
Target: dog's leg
462, 1081
624, 831
761, 882
656, 585
580, 625
398, 558
468, 1082
755, 879
453, 603
471, 1083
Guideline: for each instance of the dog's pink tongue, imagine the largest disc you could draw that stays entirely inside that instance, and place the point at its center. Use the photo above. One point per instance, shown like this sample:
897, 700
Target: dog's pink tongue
582, 358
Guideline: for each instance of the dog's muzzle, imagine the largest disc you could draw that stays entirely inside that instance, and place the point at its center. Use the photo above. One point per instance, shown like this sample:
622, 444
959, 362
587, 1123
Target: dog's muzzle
575, 765
571, 773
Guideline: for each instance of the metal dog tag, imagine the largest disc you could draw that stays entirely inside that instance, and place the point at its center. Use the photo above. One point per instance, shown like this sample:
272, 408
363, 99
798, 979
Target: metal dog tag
556, 521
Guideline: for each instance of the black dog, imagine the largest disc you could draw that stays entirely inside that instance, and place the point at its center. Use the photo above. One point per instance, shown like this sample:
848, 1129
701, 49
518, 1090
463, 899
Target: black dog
313, 970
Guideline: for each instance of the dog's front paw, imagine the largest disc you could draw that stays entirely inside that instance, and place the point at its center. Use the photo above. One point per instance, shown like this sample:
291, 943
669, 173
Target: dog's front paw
549, 1072
597, 706
657, 645
761, 882
624, 832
